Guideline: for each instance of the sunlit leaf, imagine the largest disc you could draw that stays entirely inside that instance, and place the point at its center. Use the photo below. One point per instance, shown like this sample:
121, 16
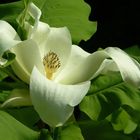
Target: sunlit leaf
74, 14
71, 132
11, 129
107, 94
121, 120
26, 115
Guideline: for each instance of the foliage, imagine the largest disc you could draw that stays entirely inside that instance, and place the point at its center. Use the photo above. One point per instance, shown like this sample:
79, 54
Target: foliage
111, 105
73, 14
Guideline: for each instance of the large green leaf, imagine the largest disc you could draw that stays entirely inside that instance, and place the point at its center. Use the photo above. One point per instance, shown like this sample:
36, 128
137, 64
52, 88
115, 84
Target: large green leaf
11, 129
26, 115
121, 120
107, 94
103, 130
71, 132
73, 13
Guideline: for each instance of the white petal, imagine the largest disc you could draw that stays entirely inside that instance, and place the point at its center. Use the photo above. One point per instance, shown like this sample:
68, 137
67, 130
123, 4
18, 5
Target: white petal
106, 66
76, 57
59, 42
8, 37
27, 56
40, 35
54, 102
35, 12
129, 68
85, 68
18, 97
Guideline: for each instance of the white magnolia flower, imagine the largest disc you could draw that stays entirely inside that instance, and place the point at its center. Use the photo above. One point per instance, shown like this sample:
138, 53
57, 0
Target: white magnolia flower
59, 73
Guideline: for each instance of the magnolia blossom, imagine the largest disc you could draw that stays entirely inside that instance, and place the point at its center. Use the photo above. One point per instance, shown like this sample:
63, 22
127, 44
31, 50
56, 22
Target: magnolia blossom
58, 72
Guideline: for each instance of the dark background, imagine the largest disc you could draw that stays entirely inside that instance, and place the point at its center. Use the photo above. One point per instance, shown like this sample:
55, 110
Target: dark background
118, 23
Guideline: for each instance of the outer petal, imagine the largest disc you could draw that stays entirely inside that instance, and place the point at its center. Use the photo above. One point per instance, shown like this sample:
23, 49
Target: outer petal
85, 68
8, 37
54, 102
59, 42
97, 63
27, 56
129, 68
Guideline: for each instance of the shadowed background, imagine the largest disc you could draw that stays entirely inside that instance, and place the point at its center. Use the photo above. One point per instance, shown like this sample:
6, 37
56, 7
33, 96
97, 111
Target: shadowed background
118, 24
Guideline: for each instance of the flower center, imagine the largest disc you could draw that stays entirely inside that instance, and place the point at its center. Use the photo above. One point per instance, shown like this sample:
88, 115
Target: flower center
51, 63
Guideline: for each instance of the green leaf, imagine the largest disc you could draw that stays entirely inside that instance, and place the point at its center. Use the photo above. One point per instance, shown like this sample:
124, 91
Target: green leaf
121, 120
3, 75
107, 94
10, 11
133, 50
101, 100
102, 130
11, 85
26, 115
4, 95
45, 135
11, 129
71, 132
73, 13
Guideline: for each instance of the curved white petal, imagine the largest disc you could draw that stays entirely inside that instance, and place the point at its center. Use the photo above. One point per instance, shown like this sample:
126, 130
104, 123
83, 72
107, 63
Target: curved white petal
35, 12
77, 55
85, 68
40, 35
27, 56
8, 37
59, 42
129, 68
98, 62
18, 97
54, 102
106, 66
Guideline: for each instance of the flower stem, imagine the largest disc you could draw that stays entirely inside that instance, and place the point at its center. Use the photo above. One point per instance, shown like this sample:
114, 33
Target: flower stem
56, 133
